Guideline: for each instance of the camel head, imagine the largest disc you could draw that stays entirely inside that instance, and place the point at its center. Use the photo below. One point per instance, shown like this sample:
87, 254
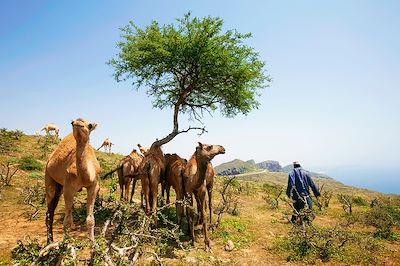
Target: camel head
208, 152
82, 128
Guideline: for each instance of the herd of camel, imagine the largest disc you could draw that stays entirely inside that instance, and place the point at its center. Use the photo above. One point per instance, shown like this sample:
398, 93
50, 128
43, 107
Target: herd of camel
73, 165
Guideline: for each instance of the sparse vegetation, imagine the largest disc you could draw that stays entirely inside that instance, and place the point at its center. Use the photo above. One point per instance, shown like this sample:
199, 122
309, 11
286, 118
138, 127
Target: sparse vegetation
371, 238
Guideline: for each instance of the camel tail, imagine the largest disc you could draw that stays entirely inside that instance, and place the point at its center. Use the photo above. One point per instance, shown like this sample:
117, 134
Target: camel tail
111, 172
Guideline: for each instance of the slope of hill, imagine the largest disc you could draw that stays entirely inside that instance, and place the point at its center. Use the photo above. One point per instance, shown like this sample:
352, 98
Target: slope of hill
289, 168
259, 230
241, 166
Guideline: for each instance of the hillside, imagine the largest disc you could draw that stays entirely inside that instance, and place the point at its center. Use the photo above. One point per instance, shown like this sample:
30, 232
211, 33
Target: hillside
255, 219
241, 166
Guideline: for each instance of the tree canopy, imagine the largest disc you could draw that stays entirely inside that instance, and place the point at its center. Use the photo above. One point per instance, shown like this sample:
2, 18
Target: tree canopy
191, 66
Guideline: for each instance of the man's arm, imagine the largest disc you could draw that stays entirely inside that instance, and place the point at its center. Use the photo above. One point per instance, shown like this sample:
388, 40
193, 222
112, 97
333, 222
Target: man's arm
313, 186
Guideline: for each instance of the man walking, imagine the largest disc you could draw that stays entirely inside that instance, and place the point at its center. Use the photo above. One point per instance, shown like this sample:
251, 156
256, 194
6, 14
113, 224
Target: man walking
299, 182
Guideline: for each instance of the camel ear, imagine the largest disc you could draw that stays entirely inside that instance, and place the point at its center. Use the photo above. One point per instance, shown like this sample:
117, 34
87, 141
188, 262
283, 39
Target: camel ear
92, 126
200, 145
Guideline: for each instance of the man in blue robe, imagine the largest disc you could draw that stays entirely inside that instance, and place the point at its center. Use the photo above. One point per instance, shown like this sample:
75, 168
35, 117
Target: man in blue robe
298, 189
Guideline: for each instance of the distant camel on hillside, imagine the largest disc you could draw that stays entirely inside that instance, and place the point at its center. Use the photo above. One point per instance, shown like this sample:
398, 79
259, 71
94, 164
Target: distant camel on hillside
51, 127
106, 144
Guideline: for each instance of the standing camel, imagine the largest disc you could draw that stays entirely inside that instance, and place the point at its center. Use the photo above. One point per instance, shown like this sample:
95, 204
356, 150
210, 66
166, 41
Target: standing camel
106, 144
51, 127
151, 171
72, 166
174, 168
129, 165
195, 183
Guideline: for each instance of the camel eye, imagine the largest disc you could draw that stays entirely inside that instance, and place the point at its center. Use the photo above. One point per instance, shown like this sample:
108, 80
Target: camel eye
90, 126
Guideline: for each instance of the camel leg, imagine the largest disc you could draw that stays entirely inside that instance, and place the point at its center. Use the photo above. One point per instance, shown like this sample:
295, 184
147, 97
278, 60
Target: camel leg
127, 181
209, 191
121, 181
53, 193
153, 193
133, 189
179, 209
202, 197
91, 198
189, 215
69, 194
146, 192
199, 212
167, 188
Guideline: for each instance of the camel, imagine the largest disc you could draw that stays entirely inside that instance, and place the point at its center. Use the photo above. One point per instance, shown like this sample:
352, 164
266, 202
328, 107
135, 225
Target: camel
195, 183
106, 144
129, 165
151, 171
51, 127
174, 168
72, 166
143, 150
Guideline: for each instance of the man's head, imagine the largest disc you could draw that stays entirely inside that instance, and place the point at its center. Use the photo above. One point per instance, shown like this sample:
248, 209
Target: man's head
296, 164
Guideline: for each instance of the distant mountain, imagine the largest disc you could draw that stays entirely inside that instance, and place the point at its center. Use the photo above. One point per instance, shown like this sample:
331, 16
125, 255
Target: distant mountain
270, 165
236, 167
289, 168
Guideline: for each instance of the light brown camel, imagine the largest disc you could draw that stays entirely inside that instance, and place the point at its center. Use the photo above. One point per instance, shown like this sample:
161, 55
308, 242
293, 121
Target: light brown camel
195, 183
129, 165
51, 127
143, 150
106, 144
72, 166
151, 171
174, 168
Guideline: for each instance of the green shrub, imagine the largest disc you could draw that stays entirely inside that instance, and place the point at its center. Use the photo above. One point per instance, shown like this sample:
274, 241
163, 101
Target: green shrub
8, 140
29, 163
384, 215
359, 201
310, 244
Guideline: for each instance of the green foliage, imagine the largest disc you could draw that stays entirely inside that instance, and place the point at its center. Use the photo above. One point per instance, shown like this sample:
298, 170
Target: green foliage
384, 215
8, 139
46, 144
36, 175
311, 243
193, 64
234, 229
359, 201
28, 163
272, 195
30, 253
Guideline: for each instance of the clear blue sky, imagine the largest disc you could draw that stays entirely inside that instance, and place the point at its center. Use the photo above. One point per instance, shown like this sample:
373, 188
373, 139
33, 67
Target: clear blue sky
334, 100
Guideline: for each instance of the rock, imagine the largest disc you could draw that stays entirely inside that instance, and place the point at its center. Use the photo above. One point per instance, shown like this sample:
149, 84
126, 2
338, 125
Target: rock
229, 246
270, 165
226, 261
191, 260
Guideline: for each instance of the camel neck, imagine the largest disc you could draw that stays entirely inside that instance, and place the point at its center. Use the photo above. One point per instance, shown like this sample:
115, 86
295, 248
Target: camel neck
82, 149
202, 168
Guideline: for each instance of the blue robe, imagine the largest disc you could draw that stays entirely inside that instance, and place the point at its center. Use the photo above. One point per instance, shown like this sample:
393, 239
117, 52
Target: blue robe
298, 189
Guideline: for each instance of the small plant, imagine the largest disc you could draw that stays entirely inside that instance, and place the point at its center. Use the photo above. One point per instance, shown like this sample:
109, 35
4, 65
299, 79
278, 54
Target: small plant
34, 197
347, 202
8, 140
311, 243
229, 203
29, 163
384, 215
324, 199
7, 172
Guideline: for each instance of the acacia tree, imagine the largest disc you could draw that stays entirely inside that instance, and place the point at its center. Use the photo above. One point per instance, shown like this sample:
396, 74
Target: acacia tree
191, 66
